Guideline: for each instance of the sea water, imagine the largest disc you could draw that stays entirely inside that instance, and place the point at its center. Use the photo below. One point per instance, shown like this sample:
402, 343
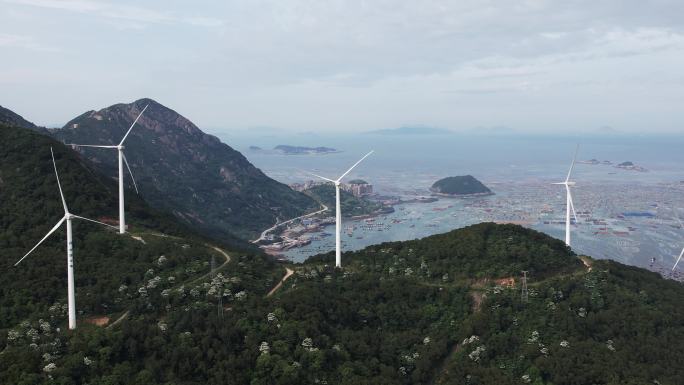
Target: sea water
518, 168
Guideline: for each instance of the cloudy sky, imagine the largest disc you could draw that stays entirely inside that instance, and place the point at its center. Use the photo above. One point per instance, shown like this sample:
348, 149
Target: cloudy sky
324, 66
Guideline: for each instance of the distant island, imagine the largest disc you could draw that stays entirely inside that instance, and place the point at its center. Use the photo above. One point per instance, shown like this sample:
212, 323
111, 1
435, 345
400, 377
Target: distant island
630, 166
594, 162
465, 185
300, 150
411, 130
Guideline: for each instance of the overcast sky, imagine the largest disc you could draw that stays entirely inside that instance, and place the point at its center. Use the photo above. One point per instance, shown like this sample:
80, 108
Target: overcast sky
324, 66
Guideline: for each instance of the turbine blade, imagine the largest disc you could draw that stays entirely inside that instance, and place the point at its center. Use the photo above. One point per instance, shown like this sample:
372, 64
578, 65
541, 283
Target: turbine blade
44, 238
134, 122
572, 204
130, 172
66, 210
352, 167
322, 177
89, 145
678, 259
94, 221
572, 165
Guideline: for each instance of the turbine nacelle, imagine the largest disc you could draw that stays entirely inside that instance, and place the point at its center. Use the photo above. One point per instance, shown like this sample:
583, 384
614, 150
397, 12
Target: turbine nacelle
122, 161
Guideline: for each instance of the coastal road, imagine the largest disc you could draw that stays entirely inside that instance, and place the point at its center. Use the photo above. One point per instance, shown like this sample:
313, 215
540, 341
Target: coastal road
265, 232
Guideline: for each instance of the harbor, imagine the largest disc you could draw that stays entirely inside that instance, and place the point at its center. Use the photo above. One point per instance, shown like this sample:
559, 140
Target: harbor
613, 221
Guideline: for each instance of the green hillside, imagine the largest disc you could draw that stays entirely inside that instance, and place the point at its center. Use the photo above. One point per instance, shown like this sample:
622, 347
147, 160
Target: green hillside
418, 312
104, 260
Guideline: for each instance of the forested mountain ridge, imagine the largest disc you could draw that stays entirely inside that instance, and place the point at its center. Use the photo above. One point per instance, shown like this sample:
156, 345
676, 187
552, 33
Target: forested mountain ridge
30, 206
480, 251
182, 170
446, 309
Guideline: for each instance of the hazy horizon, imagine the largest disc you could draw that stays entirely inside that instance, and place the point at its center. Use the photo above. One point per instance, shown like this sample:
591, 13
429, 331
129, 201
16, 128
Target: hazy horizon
335, 66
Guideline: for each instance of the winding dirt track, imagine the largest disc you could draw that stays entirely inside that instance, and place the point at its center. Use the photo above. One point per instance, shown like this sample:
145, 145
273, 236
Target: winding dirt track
288, 274
118, 320
216, 248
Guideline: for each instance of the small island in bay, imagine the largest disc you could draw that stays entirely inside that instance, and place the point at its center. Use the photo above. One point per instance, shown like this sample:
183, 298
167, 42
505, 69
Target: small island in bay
460, 186
300, 150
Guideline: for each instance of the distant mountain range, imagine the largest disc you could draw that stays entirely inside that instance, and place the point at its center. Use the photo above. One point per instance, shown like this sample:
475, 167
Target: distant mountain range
411, 130
179, 168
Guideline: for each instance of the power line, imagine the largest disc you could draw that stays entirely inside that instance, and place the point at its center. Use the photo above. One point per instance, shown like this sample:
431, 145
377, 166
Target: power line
524, 295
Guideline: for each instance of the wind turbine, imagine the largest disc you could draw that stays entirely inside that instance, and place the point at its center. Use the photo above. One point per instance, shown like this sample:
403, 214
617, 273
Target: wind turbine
569, 205
338, 209
71, 295
122, 159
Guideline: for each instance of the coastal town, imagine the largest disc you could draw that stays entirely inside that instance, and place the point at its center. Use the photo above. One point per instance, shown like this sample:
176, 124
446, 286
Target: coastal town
614, 220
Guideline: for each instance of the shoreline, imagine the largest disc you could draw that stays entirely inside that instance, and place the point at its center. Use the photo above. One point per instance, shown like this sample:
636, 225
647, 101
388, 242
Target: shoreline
474, 195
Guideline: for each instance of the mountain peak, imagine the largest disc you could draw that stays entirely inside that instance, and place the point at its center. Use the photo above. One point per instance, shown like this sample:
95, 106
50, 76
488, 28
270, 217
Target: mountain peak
181, 169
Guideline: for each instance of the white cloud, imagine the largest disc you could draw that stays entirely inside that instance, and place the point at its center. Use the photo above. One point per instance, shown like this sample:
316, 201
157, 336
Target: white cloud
24, 42
126, 12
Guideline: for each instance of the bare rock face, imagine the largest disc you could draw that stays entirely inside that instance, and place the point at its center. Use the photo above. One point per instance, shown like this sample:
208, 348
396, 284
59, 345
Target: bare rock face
175, 165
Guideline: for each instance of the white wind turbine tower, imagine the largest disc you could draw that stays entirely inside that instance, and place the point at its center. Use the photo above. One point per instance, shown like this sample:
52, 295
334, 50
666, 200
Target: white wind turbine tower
71, 295
338, 210
122, 160
569, 205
